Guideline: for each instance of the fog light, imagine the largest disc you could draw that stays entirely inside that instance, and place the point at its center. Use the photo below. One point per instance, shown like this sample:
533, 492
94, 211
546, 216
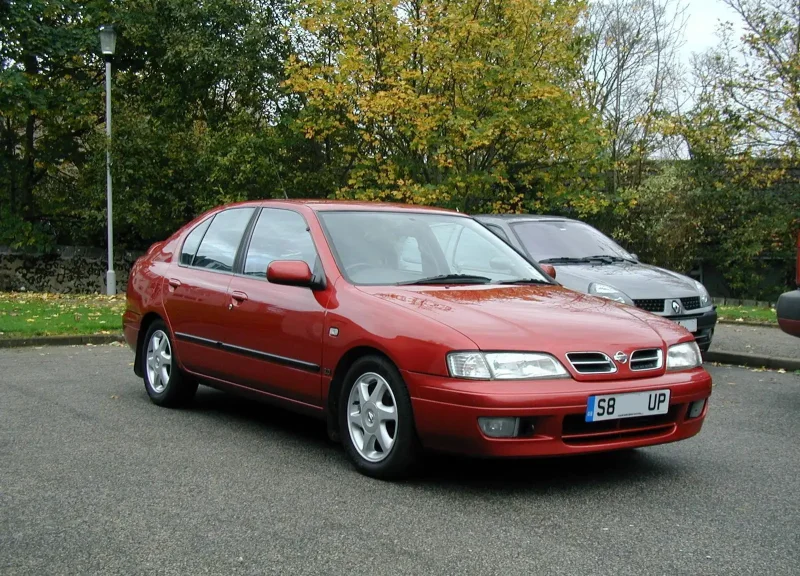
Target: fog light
499, 427
696, 408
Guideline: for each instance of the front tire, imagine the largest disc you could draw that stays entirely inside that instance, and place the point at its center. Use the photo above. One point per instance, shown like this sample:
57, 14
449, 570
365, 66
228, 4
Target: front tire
166, 385
376, 422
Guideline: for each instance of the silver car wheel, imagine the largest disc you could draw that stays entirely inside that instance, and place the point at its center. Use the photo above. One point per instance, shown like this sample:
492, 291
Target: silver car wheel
159, 361
372, 417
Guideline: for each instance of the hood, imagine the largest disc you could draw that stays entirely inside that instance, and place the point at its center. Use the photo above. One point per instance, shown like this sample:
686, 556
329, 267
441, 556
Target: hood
535, 318
638, 281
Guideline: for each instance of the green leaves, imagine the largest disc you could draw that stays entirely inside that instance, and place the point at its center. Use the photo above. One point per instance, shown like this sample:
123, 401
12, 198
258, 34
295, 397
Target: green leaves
441, 102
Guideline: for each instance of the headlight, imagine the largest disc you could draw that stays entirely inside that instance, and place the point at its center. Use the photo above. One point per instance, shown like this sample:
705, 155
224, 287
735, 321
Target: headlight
504, 366
606, 291
705, 299
684, 356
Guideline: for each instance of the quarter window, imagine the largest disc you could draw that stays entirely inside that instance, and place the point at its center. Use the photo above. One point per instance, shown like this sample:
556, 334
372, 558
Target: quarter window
278, 235
218, 249
192, 242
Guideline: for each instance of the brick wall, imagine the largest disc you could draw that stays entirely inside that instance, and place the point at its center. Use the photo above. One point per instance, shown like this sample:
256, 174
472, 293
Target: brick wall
70, 269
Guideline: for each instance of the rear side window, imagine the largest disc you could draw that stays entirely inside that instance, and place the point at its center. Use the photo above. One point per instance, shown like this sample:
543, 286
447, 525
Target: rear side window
278, 235
218, 249
192, 242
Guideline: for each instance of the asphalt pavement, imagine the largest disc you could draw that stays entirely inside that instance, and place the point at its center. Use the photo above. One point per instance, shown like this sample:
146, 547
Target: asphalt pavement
757, 340
94, 479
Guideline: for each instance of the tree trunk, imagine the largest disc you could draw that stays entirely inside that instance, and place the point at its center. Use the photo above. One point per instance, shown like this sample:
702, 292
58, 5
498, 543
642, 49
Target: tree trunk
29, 150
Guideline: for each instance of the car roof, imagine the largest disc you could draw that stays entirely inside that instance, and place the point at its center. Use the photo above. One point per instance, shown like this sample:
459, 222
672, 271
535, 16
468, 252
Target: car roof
514, 218
348, 205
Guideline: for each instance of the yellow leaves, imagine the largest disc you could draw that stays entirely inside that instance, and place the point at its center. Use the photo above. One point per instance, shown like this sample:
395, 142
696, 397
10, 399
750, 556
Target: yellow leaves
428, 106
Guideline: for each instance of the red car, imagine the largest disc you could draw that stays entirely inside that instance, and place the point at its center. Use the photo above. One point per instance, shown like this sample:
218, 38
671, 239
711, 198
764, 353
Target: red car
788, 307
405, 328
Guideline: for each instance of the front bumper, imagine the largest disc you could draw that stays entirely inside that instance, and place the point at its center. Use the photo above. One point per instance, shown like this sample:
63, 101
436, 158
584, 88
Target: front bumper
446, 413
706, 321
788, 311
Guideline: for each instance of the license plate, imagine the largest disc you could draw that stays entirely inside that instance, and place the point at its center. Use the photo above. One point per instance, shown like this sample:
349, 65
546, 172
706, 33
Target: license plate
615, 406
690, 324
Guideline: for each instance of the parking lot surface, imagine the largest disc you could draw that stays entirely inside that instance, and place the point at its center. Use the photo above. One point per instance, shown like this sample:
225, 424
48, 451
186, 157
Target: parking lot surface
94, 479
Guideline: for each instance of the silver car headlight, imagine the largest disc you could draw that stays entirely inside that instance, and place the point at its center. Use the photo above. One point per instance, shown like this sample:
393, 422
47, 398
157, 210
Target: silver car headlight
705, 298
606, 291
504, 366
684, 356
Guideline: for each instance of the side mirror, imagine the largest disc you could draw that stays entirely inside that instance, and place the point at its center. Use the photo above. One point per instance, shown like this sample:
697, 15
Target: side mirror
548, 269
290, 273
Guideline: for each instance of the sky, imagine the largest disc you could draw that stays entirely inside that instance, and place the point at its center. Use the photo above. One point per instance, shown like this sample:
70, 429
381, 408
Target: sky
704, 16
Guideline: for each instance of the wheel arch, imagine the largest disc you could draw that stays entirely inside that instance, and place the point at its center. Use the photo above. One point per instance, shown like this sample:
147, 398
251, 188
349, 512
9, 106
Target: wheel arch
342, 368
144, 326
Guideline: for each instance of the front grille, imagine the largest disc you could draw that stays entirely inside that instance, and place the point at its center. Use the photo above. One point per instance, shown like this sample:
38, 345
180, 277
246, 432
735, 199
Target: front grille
649, 359
652, 305
575, 429
692, 303
591, 363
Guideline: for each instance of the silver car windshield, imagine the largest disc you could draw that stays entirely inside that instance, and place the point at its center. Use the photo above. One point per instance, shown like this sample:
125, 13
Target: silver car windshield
403, 247
561, 239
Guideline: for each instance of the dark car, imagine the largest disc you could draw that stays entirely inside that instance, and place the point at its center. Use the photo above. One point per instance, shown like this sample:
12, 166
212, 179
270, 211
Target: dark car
589, 261
788, 308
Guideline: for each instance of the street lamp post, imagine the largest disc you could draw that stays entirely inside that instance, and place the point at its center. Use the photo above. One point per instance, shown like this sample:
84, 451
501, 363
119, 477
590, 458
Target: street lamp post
108, 42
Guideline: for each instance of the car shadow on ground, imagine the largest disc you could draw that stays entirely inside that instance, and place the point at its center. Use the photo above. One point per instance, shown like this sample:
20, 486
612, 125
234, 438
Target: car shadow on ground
446, 470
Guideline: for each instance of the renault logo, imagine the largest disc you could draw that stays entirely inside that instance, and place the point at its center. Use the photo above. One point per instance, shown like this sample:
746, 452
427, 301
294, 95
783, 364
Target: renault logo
621, 357
676, 307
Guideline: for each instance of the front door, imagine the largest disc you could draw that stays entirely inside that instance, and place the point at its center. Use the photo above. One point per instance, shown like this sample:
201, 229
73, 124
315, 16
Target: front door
196, 300
275, 330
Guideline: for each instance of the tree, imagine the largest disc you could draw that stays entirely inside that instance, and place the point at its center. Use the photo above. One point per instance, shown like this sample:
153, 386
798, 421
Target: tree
200, 115
49, 80
632, 74
469, 104
760, 75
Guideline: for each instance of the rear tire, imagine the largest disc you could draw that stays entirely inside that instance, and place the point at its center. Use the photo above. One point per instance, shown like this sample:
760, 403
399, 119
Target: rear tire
164, 382
376, 421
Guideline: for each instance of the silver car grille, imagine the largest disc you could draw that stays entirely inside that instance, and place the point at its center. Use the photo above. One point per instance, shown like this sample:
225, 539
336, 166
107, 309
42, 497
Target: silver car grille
648, 359
600, 363
591, 363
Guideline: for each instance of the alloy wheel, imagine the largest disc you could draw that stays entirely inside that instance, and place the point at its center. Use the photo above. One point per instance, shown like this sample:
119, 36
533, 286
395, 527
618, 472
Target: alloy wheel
159, 361
372, 417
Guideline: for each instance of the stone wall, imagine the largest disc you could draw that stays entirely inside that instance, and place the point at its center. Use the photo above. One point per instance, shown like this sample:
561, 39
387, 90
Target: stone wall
70, 269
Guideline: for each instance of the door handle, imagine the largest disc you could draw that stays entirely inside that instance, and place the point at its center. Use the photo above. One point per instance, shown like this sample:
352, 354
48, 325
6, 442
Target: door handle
239, 296
174, 282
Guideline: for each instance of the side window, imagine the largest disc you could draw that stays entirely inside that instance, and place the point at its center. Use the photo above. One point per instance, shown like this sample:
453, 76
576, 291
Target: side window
218, 249
410, 255
474, 253
278, 235
192, 242
500, 232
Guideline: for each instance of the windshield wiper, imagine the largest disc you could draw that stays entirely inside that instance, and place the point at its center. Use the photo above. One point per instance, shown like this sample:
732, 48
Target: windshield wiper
564, 260
449, 279
604, 258
523, 281
612, 258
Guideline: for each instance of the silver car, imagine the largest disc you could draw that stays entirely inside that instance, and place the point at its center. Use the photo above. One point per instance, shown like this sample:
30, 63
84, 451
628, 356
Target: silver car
589, 261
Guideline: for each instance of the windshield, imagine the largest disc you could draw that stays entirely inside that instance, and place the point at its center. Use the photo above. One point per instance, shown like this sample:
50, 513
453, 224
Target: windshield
556, 239
381, 248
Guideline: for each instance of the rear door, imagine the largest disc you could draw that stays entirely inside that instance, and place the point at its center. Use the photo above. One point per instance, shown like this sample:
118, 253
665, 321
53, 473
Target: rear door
275, 331
197, 296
